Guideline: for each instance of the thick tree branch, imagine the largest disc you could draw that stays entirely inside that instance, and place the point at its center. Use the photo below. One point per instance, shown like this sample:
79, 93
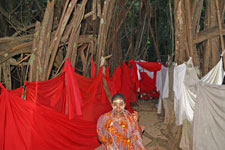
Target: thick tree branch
16, 52
208, 34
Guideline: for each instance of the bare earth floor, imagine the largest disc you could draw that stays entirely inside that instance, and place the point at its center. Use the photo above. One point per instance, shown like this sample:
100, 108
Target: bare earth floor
152, 138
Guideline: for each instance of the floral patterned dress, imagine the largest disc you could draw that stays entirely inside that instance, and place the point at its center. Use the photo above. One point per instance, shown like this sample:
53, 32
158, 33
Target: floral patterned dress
119, 135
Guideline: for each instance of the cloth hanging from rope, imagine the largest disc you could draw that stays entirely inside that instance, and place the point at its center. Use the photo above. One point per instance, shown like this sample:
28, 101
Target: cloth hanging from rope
185, 79
189, 99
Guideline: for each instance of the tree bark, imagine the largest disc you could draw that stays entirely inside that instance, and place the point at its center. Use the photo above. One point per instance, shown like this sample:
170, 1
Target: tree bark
180, 31
208, 33
207, 46
220, 28
7, 75
215, 41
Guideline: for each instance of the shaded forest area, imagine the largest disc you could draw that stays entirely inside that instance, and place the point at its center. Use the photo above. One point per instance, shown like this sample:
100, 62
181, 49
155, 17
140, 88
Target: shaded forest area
37, 36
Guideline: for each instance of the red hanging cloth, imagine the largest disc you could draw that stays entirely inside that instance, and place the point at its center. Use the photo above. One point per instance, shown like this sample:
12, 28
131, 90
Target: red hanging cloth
30, 126
150, 66
92, 69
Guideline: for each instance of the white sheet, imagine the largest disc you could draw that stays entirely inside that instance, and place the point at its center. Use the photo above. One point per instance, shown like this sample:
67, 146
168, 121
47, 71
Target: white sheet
162, 84
185, 78
209, 119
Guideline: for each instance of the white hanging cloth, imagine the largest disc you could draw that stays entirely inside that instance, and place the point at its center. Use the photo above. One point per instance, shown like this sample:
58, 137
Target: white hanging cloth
162, 85
185, 79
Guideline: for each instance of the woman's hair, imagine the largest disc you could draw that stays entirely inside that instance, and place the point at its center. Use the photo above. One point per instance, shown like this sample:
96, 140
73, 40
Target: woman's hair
118, 95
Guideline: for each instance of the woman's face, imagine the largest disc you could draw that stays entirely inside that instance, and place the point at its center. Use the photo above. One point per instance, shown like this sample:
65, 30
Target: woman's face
118, 105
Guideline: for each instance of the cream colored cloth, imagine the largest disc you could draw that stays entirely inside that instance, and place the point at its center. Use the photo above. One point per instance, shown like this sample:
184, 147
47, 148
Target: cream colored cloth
162, 84
215, 76
169, 102
185, 142
209, 118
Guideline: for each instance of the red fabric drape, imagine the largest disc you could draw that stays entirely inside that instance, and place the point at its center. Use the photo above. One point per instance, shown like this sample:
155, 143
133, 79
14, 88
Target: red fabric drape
126, 82
128, 86
116, 77
92, 69
150, 66
93, 96
18, 91
73, 93
55, 94
107, 72
51, 93
147, 84
60, 93
30, 126
134, 80
39, 122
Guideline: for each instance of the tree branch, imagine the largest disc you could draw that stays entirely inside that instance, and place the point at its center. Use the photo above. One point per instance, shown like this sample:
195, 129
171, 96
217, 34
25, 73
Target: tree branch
208, 34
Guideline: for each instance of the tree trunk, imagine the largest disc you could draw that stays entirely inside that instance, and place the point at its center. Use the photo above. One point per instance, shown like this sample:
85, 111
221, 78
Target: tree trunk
215, 41
180, 31
7, 75
207, 44
153, 35
105, 21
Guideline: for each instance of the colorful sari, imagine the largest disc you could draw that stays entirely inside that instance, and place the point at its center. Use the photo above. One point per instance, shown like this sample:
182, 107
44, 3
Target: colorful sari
119, 135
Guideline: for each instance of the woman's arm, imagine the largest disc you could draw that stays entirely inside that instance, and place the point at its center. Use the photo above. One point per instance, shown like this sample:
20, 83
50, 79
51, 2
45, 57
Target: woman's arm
107, 146
137, 126
101, 141
100, 130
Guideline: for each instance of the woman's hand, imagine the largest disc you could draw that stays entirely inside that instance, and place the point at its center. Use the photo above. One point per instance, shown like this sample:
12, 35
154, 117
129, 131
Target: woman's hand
135, 116
108, 147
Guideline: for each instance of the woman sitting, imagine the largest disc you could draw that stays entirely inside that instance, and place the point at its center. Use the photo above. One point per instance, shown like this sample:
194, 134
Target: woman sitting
119, 129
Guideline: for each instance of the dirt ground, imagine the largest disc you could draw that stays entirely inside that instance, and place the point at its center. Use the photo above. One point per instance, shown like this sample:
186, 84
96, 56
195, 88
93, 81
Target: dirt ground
153, 138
